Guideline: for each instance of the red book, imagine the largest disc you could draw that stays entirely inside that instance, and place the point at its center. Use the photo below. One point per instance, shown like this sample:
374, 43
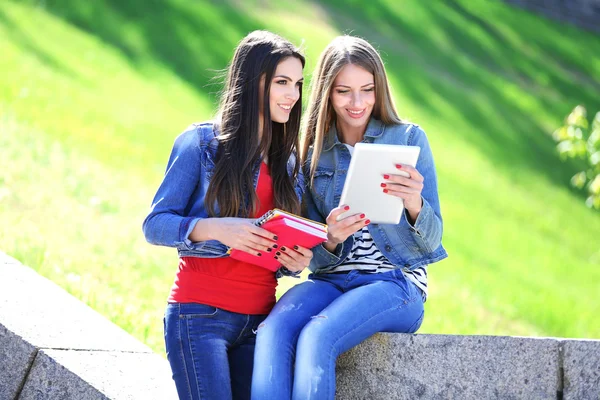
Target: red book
291, 230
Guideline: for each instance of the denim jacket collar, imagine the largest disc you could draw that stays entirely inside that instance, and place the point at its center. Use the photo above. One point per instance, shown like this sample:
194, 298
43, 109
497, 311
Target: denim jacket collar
374, 129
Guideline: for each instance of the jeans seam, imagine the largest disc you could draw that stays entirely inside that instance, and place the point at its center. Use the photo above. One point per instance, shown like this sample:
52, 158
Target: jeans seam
187, 378
242, 331
193, 363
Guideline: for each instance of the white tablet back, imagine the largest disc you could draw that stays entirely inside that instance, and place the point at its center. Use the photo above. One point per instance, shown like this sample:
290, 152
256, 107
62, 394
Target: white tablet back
362, 189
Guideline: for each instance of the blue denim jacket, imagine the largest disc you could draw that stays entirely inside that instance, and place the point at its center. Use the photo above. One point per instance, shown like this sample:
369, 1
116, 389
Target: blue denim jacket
405, 245
179, 201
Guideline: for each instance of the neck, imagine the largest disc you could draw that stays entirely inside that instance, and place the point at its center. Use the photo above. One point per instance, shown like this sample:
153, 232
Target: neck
350, 134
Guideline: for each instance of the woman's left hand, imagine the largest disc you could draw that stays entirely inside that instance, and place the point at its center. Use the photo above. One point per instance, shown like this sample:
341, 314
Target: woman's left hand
295, 259
408, 188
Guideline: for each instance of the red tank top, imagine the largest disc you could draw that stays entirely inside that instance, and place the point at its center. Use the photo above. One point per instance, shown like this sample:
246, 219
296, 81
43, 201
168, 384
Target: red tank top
227, 283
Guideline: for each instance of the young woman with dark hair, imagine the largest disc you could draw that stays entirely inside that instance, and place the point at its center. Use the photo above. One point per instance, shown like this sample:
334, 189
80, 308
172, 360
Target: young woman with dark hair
220, 176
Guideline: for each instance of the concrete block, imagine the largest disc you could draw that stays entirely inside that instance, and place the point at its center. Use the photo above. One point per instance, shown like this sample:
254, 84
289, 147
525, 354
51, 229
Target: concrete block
16, 357
581, 363
68, 374
46, 316
404, 366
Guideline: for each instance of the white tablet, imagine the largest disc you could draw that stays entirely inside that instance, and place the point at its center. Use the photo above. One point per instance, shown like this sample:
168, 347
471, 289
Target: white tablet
362, 189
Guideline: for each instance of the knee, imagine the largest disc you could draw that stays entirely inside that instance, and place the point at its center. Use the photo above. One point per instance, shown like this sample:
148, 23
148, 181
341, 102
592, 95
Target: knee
273, 328
316, 333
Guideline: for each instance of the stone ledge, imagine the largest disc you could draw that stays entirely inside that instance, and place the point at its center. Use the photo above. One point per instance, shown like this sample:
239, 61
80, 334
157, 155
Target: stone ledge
52, 346
69, 374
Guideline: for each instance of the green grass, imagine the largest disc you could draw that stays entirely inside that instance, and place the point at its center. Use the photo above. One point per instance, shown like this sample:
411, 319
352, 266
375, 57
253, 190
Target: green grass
92, 95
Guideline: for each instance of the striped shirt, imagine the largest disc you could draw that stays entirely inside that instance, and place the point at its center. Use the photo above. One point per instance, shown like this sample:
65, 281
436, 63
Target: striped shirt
366, 257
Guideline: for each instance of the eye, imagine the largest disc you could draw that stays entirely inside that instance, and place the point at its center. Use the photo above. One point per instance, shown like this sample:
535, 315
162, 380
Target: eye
342, 91
371, 89
281, 82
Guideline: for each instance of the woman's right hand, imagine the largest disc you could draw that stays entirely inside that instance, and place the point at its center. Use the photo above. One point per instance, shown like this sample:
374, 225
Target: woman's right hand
339, 231
237, 233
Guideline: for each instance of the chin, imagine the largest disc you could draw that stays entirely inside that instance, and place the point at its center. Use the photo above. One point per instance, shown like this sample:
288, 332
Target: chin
281, 120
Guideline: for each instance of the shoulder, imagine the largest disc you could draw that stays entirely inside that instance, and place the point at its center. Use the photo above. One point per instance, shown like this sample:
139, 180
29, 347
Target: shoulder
411, 133
198, 134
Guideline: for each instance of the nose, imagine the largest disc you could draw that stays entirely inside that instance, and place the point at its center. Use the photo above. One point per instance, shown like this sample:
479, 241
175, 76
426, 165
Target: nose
294, 94
356, 100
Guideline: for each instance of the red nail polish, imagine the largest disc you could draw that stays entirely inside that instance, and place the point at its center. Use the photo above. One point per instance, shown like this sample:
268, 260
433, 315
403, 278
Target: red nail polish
386, 177
398, 166
362, 215
383, 185
367, 222
346, 208
385, 190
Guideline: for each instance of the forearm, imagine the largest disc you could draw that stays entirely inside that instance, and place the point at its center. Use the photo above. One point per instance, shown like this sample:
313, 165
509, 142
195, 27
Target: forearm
204, 230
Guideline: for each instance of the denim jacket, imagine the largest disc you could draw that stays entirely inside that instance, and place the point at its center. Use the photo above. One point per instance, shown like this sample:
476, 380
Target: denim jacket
405, 245
179, 201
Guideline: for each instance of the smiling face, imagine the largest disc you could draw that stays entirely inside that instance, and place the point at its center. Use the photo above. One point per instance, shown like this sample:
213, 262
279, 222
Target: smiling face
285, 89
353, 97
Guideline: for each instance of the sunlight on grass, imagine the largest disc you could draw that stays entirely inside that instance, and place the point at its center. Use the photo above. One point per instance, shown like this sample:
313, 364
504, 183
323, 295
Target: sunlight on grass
89, 110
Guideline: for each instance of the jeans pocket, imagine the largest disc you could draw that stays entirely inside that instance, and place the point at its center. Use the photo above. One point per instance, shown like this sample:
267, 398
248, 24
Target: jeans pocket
195, 310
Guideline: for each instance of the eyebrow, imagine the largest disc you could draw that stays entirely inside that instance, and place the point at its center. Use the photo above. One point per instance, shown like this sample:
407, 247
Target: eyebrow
368, 84
288, 78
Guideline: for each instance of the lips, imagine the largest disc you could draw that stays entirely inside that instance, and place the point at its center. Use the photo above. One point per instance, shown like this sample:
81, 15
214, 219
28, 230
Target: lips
286, 107
356, 113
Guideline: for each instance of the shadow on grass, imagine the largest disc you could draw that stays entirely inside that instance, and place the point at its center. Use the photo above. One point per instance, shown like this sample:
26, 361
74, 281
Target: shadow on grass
193, 40
477, 71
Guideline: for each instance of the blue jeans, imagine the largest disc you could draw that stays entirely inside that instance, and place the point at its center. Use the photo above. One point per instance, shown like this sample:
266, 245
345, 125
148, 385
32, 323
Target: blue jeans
210, 350
314, 322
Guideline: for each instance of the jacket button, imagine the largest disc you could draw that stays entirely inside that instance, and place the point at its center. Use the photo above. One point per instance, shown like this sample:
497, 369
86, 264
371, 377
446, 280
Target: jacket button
388, 247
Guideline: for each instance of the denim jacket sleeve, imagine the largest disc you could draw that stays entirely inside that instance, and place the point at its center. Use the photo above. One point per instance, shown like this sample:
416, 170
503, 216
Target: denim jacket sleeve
167, 224
427, 229
322, 258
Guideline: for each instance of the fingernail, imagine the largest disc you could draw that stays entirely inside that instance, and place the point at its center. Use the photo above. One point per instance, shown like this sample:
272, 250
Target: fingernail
275, 238
274, 246
346, 208
269, 249
386, 177
295, 247
362, 215
367, 222
283, 249
259, 254
278, 253
275, 257
398, 166
385, 190
383, 185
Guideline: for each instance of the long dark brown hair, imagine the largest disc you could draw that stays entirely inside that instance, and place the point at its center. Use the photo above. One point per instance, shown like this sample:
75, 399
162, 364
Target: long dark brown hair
240, 147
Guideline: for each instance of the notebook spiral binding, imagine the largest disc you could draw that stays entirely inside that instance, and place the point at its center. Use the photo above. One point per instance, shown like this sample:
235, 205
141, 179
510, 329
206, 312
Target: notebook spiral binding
267, 216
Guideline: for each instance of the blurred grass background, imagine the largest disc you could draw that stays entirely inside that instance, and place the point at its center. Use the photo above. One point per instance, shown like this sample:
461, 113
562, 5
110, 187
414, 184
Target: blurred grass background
92, 95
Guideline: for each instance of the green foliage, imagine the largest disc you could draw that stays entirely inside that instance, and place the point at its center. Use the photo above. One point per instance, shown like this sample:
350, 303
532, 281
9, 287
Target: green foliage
578, 139
92, 95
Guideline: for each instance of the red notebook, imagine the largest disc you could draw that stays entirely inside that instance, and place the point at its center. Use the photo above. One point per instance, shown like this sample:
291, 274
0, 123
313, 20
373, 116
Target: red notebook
291, 230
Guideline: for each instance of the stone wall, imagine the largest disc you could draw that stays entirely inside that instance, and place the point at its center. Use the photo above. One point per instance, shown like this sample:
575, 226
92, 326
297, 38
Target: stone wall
52, 346
583, 13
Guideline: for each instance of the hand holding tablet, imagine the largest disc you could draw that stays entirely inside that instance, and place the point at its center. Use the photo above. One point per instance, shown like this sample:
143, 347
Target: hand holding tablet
364, 191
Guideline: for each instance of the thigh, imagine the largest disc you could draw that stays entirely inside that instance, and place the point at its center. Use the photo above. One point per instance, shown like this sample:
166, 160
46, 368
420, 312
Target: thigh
297, 306
377, 306
197, 351
241, 360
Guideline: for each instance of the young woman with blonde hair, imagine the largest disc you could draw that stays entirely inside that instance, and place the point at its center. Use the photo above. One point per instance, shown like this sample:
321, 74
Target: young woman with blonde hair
366, 278
221, 175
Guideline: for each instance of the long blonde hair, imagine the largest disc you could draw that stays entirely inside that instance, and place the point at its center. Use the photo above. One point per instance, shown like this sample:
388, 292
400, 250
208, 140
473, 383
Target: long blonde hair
320, 116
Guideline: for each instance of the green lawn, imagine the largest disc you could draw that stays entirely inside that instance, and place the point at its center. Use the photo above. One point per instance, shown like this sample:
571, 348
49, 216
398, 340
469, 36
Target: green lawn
92, 95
